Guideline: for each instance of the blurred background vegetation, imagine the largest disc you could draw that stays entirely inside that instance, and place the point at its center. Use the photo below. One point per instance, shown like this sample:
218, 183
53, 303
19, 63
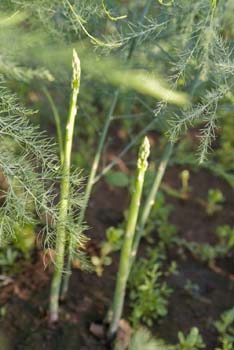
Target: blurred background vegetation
171, 63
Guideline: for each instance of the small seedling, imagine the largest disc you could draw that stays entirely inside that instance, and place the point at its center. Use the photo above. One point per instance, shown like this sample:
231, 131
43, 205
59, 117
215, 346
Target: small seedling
185, 189
8, 257
148, 293
114, 239
225, 327
142, 339
225, 234
192, 288
215, 200
193, 341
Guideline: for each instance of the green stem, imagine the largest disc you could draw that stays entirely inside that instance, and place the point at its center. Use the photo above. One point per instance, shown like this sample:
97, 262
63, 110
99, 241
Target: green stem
150, 200
57, 122
88, 190
125, 256
64, 194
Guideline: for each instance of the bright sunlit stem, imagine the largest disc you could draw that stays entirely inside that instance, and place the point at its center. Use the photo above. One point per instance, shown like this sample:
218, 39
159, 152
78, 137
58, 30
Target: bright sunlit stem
64, 193
126, 250
93, 39
166, 3
109, 15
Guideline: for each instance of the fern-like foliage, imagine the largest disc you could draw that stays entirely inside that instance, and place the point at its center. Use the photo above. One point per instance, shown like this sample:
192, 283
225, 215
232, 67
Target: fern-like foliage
204, 65
28, 166
29, 172
191, 43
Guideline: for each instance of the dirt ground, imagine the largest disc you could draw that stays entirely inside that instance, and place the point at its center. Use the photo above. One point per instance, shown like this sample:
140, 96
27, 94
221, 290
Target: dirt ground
25, 298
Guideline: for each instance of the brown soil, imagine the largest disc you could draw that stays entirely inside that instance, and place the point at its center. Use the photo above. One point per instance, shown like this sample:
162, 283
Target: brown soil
25, 298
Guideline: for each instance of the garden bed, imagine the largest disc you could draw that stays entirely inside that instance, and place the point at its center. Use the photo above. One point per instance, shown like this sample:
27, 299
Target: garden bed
25, 298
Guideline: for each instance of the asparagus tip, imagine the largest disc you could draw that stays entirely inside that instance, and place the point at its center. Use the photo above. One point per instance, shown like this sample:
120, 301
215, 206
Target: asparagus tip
144, 153
76, 70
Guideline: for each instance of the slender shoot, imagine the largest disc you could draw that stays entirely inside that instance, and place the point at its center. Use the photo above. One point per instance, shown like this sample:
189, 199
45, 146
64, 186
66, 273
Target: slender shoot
150, 200
126, 250
88, 190
64, 193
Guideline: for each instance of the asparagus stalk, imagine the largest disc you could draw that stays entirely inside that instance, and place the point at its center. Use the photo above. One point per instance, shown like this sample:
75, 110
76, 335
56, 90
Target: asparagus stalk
150, 200
125, 256
88, 190
64, 193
